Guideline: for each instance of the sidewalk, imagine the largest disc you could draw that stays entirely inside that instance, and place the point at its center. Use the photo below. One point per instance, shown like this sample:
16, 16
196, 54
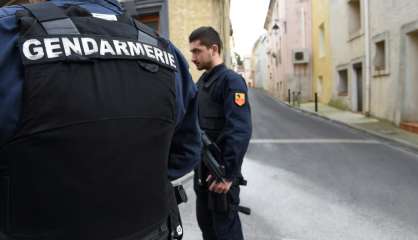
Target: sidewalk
358, 121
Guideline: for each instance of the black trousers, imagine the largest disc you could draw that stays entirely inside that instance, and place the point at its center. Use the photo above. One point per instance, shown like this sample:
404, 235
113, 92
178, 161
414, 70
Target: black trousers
218, 225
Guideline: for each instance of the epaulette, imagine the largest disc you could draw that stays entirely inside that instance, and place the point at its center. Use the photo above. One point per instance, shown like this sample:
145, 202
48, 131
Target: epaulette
9, 11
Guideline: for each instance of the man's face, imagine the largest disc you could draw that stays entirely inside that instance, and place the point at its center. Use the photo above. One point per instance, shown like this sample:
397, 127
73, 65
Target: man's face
201, 55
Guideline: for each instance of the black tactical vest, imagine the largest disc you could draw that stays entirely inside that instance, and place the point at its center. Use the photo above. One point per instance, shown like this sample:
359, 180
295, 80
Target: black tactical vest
89, 160
211, 106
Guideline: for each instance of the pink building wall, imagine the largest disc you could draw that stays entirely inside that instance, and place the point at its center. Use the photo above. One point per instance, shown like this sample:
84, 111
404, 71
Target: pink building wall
293, 17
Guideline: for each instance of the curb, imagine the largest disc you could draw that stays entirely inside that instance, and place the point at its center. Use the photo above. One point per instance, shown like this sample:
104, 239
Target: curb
403, 143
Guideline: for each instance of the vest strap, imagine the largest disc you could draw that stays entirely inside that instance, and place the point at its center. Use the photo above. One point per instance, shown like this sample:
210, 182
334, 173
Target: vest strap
146, 34
211, 79
52, 18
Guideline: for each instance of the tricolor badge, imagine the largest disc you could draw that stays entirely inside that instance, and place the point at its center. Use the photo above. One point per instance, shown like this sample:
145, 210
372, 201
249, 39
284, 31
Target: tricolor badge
239, 99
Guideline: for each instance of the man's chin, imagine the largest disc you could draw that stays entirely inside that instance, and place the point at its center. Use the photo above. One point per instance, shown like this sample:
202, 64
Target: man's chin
202, 67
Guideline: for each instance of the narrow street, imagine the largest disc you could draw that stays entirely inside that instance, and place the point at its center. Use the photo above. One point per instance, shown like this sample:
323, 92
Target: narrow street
313, 179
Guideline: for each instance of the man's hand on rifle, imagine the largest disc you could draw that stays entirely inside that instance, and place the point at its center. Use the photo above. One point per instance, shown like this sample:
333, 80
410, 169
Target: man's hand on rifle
219, 187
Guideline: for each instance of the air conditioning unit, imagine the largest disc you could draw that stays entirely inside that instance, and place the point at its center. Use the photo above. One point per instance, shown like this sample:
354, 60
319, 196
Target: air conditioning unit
300, 56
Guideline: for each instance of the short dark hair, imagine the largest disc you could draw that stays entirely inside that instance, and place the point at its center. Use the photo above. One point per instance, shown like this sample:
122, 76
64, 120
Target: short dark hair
207, 36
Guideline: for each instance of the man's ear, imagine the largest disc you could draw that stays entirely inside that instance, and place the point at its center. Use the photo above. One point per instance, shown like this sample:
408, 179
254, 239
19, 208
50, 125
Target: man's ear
215, 48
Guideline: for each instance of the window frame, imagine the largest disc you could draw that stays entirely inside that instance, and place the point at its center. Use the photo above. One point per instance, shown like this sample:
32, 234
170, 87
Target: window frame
382, 37
344, 92
137, 8
353, 34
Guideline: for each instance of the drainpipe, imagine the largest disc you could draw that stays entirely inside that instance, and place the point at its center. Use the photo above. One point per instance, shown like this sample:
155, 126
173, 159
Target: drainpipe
303, 14
367, 50
303, 77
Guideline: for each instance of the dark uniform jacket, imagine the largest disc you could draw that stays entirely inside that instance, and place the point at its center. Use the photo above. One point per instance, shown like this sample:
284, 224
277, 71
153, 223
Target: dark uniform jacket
224, 114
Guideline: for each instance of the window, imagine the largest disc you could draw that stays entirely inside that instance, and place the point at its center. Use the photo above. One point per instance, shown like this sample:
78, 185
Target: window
151, 20
342, 82
379, 57
153, 13
354, 17
380, 54
321, 40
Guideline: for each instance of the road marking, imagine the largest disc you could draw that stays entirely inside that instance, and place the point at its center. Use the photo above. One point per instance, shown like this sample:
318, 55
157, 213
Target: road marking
314, 140
183, 180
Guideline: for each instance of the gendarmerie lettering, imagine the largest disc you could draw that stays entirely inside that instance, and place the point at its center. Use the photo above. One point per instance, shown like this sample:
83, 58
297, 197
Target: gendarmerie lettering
44, 49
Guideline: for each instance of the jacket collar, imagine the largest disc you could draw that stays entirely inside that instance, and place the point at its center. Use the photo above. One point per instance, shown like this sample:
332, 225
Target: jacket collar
212, 75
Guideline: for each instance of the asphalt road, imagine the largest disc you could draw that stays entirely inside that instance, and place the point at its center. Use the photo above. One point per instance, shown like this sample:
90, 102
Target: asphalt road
313, 179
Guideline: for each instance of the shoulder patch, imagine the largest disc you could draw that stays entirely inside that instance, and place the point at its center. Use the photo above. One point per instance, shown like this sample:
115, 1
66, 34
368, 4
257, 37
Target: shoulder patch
239, 99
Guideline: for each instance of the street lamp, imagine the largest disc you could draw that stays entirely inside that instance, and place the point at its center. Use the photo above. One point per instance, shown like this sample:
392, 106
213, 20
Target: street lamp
275, 28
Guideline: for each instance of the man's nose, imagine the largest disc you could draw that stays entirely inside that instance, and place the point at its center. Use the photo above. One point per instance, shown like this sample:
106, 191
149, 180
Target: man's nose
193, 58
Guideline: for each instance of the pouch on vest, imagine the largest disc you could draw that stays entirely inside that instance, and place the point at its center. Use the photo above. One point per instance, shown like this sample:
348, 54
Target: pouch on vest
174, 221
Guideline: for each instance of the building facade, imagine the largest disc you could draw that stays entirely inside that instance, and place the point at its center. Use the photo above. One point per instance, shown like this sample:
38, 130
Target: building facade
394, 56
374, 58
247, 74
364, 55
348, 28
288, 25
323, 83
259, 63
176, 19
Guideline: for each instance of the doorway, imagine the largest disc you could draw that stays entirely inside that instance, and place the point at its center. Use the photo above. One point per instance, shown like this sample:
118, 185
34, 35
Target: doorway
410, 98
357, 87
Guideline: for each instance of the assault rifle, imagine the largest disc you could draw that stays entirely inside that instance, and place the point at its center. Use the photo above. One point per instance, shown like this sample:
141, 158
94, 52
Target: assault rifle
217, 171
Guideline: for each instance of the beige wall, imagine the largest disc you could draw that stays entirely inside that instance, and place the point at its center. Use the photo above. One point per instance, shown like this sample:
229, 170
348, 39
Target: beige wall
394, 92
322, 65
347, 49
186, 15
